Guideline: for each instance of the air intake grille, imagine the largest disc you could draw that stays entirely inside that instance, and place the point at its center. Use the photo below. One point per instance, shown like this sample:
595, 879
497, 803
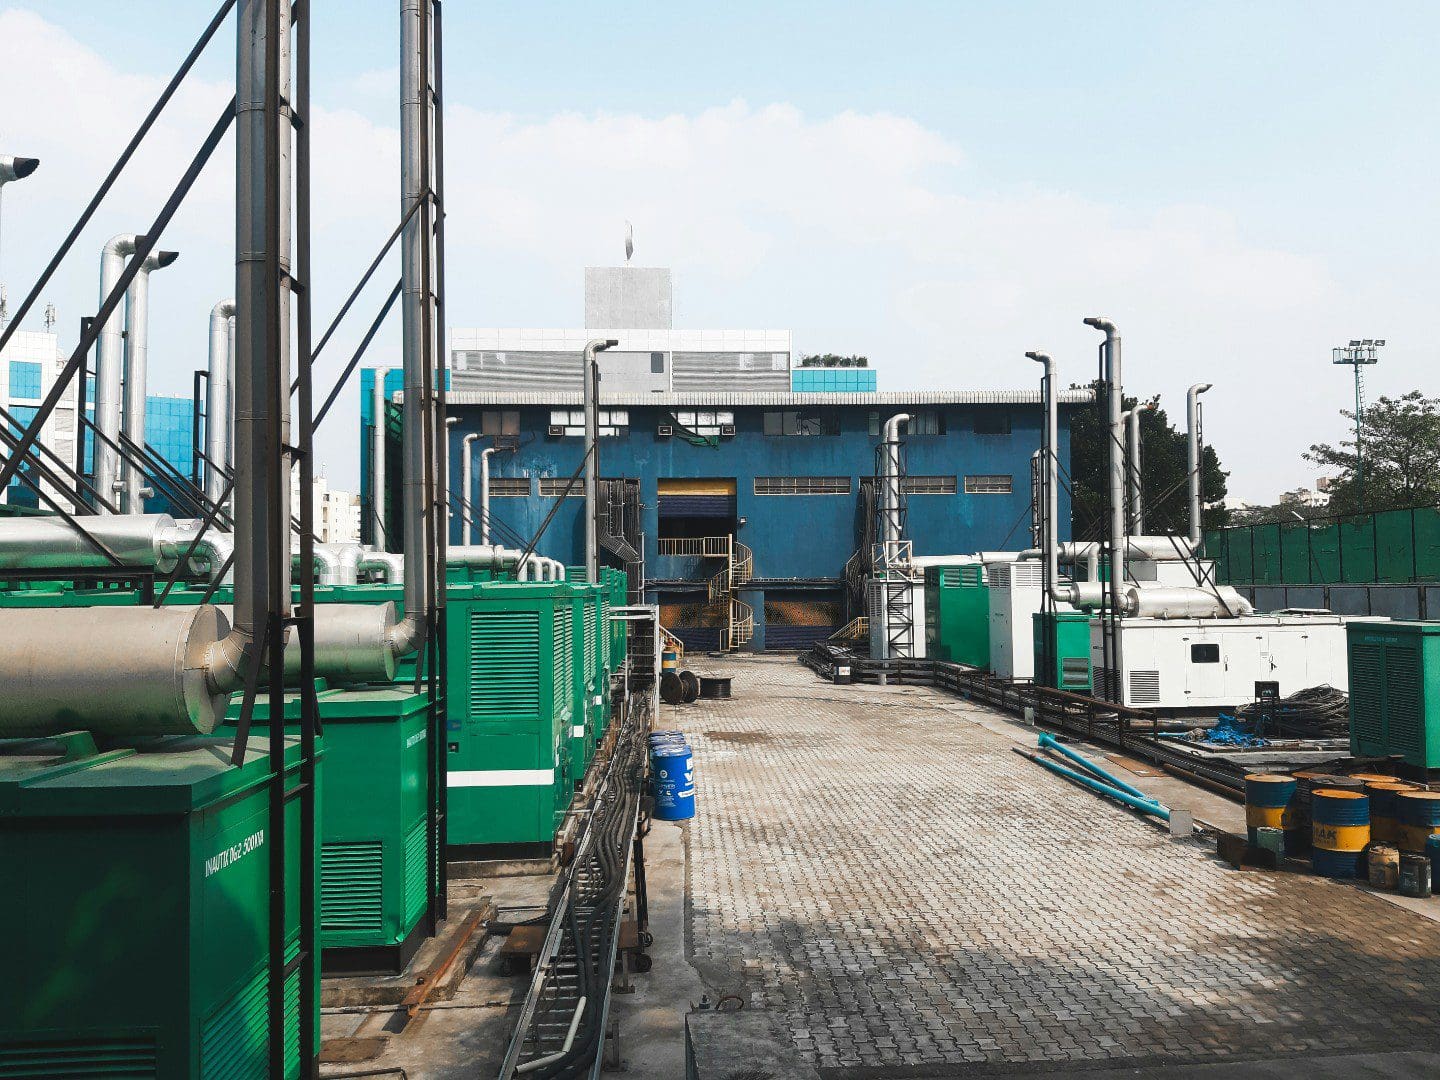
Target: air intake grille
504, 665
1145, 687
351, 886
1365, 690
564, 645
234, 1042
589, 641
1402, 688
109, 1057
417, 865
1075, 671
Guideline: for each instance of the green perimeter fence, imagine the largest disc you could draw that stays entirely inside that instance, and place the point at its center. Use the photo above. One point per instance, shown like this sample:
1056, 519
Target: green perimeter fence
1396, 546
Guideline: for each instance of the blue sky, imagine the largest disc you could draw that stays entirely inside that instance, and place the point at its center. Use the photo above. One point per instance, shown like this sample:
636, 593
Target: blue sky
939, 185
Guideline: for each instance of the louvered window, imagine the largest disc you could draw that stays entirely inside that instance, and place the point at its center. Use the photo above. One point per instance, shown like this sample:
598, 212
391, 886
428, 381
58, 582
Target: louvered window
504, 665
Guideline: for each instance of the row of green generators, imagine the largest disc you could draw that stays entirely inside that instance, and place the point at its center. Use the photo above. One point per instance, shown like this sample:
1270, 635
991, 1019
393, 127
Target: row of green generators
137, 883
528, 668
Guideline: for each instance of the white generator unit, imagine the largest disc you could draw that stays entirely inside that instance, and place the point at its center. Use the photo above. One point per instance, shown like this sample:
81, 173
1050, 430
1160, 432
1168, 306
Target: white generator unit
1016, 596
895, 612
1206, 664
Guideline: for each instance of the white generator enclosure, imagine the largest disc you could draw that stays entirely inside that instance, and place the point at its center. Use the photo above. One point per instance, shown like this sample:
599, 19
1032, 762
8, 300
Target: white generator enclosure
895, 612
1016, 595
1180, 664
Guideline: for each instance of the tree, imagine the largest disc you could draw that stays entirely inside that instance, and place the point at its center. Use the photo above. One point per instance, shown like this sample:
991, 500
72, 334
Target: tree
1401, 454
1164, 472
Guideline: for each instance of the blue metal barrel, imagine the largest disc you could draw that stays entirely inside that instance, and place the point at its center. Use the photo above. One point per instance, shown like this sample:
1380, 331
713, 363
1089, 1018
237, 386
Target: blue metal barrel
1268, 805
1340, 822
1419, 818
672, 782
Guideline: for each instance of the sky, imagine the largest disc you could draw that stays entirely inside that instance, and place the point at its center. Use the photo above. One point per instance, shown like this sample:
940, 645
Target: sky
940, 186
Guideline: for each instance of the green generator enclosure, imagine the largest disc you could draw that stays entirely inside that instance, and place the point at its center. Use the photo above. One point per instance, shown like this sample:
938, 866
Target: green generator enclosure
510, 665
137, 881
619, 587
374, 823
1062, 651
957, 615
1395, 691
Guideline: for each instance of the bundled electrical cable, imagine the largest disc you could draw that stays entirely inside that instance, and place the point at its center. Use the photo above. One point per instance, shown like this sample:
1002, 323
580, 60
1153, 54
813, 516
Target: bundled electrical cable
1321, 712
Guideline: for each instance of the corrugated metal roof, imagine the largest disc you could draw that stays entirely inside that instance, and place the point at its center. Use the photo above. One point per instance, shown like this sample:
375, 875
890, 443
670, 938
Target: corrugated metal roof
768, 397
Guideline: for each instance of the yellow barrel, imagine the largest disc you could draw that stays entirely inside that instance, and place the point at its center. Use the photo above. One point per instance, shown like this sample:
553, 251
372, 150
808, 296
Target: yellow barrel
1384, 864
1268, 801
1340, 831
1372, 777
1419, 818
1384, 809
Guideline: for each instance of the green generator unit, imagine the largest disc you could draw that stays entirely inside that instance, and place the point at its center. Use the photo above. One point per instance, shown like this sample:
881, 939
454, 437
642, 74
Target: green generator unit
1062, 651
957, 615
374, 824
1395, 691
511, 676
619, 589
137, 881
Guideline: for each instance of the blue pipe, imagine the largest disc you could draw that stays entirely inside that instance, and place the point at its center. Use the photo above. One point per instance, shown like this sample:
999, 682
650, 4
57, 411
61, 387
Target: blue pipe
1144, 803
1049, 742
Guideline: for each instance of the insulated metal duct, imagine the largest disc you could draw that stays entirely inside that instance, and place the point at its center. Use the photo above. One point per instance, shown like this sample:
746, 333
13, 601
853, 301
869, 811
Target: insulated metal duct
143, 670
109, 371
137, 378
1192, 457
1115, 395
143, 541
217, 399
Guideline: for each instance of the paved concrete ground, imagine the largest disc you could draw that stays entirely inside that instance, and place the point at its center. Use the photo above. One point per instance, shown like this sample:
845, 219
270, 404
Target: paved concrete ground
903, 893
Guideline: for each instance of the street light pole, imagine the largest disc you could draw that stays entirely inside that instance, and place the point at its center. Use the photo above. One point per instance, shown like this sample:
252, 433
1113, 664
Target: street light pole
1359, 354
11, 168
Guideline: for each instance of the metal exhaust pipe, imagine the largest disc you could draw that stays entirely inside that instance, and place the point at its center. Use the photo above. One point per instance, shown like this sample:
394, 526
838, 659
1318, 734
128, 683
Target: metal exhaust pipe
1192, 457
890, 481
109, 372
467, 507
591, 399
1116, 394
378, 405
218, 399
485, 456
137, 353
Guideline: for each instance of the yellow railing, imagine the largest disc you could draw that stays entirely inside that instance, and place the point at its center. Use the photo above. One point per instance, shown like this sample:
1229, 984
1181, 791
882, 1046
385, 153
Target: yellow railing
857, 629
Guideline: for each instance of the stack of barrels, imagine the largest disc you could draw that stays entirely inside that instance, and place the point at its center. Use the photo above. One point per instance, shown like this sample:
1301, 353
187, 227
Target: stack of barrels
1362, 825
672, 776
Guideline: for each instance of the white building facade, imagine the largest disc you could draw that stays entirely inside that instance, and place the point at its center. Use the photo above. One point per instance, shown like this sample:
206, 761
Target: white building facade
28, 369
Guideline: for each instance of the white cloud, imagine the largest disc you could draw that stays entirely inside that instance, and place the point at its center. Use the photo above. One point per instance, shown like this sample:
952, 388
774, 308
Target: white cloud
863, 231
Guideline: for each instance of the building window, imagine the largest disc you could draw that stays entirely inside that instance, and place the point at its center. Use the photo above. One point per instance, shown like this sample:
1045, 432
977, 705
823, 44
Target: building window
571, 422
509, 487
929, 485
657, 363
554, 486
24, 379
802, 423
498, 423
802, 485
706, 422
988, 485
992, 422
922, 422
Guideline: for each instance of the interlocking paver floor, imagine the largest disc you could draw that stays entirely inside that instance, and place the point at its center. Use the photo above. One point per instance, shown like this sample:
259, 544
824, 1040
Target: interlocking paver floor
904, 889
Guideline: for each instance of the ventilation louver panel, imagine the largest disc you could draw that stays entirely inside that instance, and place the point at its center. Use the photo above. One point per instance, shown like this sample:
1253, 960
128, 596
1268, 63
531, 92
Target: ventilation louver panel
1144, 687
1366, 709
234, 1043
504, 665
1075, 671
351, 886
564, 644
1402, 689
417, 866
100, 1058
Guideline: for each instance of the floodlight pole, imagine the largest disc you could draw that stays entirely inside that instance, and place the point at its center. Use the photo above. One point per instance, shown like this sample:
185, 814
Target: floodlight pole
1359, 353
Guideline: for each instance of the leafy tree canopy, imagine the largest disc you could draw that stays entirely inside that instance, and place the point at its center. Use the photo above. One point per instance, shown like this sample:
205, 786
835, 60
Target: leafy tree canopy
1401, 457
832, 360
1163, 467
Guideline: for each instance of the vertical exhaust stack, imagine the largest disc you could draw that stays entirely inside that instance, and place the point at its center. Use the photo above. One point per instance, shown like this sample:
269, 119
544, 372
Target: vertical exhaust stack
218, 403
1192, 440
890, 482
109, 371
1115, 392
1135, 488
591, 398
485, 456
258, 510
1049, 515
137, 359
415, 120
377, 458
467, 507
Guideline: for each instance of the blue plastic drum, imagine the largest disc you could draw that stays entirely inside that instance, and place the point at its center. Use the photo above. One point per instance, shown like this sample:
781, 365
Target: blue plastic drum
672, 781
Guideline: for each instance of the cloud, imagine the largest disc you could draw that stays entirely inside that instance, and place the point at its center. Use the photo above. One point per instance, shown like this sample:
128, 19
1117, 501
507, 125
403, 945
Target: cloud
862, 231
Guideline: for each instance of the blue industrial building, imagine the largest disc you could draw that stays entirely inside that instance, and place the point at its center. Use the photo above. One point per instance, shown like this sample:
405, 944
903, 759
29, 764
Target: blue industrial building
785, 474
